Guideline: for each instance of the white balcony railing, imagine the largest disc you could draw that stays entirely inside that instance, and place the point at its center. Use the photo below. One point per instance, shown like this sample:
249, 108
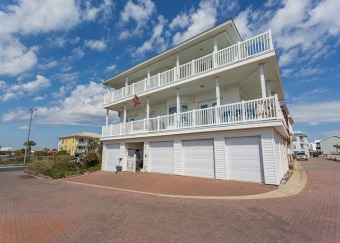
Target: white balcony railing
240, 51
245, 111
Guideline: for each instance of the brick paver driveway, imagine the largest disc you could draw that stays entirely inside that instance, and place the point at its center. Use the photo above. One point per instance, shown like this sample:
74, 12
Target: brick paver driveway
36, 210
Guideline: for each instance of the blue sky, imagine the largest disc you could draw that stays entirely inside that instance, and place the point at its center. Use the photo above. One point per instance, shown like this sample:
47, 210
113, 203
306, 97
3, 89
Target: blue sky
55, 54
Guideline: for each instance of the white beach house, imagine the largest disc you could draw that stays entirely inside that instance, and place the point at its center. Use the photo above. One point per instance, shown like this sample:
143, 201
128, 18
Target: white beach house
211, 106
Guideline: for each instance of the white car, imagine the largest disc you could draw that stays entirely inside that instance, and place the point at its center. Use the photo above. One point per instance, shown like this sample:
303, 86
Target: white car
301, 156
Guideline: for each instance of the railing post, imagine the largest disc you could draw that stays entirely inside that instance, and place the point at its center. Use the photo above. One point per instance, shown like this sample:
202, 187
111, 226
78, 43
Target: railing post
243, 111
217, 115
271, 46
192, 67
133, 88
193, 118
159, 79
145, 82
239, 50
158, 123
277, 106
120, 128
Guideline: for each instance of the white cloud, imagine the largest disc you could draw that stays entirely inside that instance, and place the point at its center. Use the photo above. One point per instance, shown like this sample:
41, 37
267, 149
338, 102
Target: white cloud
300, 28
15, 57
181, 21
156, 41
140, 13
82, 107
34, 16
202, 19
110, 68
39, 98
17, 91
76, 54
91, 12
316, 113
98, 45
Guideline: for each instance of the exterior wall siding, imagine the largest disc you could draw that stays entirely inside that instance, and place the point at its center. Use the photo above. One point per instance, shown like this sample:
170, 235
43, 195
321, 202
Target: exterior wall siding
327, 145
268, 156
270, 151
220, 163
145, 156
177, 157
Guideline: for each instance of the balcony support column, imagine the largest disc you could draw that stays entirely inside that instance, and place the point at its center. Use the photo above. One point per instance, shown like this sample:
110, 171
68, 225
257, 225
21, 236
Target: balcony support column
147, 112
124, 114
176, 68
263, 81
126, 85
178, 105
269, 90
218, 93
147, 83
178, 101
214, 53
107, 117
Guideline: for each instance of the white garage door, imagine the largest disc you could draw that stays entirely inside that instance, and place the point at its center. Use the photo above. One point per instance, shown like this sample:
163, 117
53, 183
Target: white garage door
244, 159
198, 158
162, 157
112, 156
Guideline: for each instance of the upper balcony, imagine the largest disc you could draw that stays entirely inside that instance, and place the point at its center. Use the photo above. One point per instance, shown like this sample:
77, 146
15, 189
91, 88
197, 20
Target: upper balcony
214, 61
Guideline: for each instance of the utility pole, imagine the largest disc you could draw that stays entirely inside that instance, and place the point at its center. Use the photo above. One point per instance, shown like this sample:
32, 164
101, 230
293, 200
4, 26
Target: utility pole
29, 131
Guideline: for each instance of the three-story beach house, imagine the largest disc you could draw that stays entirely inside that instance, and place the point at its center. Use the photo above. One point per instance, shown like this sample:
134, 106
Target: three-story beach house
211, 106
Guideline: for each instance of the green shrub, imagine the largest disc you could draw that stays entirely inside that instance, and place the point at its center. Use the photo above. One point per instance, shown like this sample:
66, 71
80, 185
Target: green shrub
291, 166
91, 159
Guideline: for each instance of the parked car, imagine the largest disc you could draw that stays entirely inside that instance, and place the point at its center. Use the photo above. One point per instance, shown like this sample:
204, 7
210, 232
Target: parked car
301, 156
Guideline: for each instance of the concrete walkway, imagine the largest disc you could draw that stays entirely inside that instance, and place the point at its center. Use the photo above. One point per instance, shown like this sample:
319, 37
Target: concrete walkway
38, 210
191, 187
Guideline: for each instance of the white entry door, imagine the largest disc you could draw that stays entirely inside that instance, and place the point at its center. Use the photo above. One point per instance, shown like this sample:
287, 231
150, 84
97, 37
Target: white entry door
112, 156
198, 158
161, 157
244, 159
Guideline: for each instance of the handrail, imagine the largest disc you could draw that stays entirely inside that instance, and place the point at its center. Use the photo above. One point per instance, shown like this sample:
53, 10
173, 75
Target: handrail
221, 58
240, 112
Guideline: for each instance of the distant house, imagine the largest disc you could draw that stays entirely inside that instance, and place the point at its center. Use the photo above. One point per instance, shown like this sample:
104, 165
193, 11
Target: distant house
327, 145
211, 106
315, 146
6, 149
79, 143
300, 143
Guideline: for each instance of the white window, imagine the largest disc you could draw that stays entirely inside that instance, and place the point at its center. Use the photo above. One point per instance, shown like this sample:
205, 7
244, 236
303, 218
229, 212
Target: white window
173, 109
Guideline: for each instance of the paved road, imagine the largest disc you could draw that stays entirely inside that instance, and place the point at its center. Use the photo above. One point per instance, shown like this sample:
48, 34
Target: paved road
37, 210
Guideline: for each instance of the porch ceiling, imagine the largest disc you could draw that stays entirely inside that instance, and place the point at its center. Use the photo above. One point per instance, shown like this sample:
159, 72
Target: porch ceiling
247, 76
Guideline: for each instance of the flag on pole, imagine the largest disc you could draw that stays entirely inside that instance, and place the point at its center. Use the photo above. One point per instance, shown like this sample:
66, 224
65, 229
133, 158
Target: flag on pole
135, 101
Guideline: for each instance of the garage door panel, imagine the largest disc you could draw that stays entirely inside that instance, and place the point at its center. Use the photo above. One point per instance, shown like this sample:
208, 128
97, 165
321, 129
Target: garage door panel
112, 156
162, 157
243, 158
198, 158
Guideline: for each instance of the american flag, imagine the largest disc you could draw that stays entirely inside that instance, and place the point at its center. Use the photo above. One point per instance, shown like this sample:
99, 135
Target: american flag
135, 101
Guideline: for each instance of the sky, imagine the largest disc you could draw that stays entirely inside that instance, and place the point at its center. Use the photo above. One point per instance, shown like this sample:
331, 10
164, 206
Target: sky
54, 55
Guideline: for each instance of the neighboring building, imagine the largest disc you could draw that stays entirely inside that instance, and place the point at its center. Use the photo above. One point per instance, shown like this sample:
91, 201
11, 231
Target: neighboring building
300, 143
7, 149
315, 146
209, 108
327, 145
79, 143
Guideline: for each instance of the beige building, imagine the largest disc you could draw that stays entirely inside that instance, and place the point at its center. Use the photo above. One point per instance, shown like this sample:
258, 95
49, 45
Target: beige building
79, 143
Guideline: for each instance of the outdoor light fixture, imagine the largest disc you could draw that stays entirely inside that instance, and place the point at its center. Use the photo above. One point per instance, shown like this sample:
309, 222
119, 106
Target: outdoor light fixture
29, 131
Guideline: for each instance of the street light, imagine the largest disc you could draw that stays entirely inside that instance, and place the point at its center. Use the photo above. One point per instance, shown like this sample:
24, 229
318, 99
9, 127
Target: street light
29, 131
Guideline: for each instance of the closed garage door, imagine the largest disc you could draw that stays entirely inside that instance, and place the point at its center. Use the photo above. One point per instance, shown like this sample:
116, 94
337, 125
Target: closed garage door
112, 156
244, 159
162, 157
198, 158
